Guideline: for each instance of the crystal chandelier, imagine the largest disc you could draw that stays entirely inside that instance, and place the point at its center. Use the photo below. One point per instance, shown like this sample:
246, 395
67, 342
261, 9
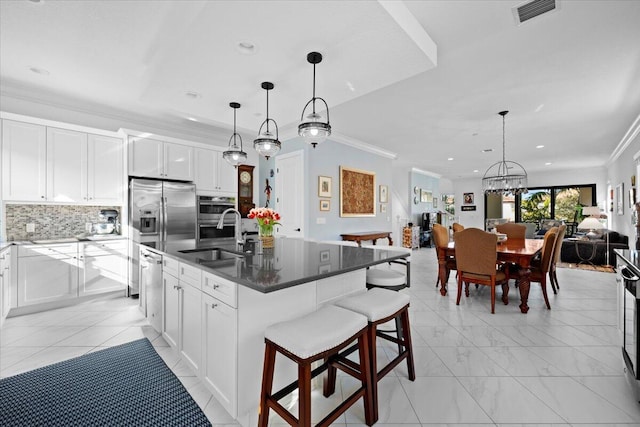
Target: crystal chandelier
235, 155
313, 128
267, 144
505, 177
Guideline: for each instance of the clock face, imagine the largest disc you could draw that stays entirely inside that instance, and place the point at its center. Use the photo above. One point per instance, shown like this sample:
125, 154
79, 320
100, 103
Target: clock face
245, 177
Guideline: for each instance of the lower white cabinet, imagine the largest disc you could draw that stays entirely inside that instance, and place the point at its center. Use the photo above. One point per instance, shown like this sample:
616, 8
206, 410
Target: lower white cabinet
219, 351
103, 267
171, 309
5, 283
47, 273
191, 326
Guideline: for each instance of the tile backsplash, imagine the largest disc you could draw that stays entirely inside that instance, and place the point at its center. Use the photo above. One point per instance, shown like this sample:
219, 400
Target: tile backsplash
51, 221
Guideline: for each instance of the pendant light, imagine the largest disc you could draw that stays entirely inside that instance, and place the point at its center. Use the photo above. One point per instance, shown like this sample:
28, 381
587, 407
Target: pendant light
505, 177
312, 127
267, 144
235, 155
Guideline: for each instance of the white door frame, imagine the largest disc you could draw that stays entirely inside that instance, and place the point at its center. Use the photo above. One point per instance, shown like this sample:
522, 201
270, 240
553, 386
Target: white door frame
303, 197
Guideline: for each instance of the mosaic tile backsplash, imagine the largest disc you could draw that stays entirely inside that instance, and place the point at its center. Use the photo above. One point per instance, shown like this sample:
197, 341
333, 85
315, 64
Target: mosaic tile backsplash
51, 221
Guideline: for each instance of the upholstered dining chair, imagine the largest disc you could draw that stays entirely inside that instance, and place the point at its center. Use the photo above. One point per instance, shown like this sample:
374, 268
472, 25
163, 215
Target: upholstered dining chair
557, 248
457, 227
512, 230
476, 257
441, 239
539, 272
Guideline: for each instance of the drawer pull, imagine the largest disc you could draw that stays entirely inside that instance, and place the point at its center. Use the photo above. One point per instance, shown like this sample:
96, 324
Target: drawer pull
216, 286
214, 305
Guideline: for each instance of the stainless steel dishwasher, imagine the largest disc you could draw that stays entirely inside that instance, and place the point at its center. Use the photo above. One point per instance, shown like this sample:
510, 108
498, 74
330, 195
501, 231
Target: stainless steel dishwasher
151, 287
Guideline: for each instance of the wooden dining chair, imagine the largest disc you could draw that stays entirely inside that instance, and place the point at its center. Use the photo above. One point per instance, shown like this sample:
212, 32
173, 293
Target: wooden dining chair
512, 230
555, 258
539, 272
457, 227
476, 257
441, 239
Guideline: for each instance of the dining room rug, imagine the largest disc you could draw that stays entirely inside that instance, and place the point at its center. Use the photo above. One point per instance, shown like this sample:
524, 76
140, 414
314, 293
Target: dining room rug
125, 385
601, 268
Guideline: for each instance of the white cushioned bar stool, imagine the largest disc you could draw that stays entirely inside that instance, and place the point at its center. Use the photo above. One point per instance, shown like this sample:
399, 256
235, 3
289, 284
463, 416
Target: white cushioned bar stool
384, 276
380, 306
320, 335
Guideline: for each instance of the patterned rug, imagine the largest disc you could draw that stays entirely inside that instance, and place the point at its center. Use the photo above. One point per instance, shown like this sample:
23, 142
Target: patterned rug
126, 385
601, 268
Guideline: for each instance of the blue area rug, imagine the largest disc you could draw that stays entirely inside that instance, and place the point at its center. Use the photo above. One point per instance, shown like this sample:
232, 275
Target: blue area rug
127, 385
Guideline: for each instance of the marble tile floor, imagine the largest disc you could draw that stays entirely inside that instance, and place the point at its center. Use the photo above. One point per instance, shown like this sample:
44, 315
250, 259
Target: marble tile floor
558, 367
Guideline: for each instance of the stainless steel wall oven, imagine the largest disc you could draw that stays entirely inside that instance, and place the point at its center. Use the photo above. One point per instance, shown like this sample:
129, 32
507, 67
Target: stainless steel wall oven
210, 210
628, 277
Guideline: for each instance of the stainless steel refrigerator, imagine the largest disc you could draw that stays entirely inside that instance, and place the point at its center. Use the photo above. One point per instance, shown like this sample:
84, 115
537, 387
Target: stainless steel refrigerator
159, 212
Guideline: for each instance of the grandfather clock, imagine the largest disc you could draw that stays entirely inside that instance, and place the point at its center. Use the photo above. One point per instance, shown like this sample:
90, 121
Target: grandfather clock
245, 189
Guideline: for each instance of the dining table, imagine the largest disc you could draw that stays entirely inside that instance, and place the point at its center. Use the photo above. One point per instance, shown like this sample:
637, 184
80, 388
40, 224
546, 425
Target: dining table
516, 251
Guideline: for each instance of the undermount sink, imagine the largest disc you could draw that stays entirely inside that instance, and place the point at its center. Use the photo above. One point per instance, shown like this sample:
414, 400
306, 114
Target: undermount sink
212, 254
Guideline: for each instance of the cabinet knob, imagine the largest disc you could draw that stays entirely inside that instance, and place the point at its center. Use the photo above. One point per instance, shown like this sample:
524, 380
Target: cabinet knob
216, 286
214, 305
42, 197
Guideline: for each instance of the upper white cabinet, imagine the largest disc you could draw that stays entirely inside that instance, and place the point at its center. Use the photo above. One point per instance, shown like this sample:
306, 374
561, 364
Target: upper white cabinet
213, 173
50, 164
152, 158
66, 165
24, 161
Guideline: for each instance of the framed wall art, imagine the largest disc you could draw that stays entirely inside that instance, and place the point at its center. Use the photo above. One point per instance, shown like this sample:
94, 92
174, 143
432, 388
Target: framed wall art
435, 203
620, 198
383, 208
324, 186
426, 196
468, 198
357, 192
384, 194
325, 205
632, 198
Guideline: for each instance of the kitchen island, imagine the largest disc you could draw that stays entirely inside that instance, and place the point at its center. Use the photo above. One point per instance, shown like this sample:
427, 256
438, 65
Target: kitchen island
217, 323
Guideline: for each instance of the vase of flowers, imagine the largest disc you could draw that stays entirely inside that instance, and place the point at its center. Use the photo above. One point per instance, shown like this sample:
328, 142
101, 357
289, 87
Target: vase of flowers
267, 218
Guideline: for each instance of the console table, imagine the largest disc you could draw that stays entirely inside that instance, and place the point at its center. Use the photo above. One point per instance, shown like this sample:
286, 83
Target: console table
367, 235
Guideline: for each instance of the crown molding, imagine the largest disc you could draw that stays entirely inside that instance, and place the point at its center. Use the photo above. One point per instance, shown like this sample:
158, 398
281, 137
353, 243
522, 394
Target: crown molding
355, 143
627, 139
427, 173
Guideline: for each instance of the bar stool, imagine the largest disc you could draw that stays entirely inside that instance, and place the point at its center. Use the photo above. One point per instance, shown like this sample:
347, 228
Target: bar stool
380, 306
320, 335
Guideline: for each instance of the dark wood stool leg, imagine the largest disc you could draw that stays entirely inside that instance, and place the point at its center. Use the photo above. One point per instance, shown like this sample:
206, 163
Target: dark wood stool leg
267, 383
373, 367
329, 382
406, 337
304, 395
364, 352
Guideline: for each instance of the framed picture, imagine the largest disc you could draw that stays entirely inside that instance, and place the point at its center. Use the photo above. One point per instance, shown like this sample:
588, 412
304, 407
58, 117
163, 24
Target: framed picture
632, 198
426, 196
384, 194
620, 198
383, 208
324, 269
435, 203
324, 256
324, 186
357, 192
468, 198
325, 205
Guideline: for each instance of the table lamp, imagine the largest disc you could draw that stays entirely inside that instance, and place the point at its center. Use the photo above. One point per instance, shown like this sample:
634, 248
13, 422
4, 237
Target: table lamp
592, 223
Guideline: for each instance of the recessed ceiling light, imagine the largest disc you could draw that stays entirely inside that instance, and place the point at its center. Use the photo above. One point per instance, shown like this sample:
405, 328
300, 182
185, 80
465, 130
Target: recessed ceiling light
476, 171
474, 134
487, 150
193, 119
450, 158
40, 71
548, 164
539, 146
36, 1
246, 47
351, 87
540, 107
193, 94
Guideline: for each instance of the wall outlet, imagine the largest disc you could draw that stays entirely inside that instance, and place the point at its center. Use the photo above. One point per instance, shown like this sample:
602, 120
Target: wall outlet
321, 220
31, 227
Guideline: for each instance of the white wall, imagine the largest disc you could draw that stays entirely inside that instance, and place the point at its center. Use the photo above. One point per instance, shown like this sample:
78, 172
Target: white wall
620, 171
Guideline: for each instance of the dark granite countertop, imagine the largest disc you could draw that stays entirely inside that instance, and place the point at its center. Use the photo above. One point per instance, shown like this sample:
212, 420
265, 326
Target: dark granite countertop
49, 241
291, 262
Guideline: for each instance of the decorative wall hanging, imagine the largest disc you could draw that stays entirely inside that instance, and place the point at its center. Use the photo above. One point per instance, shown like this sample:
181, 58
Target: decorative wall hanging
325, 205
426, 196
324, 186
468, 198
620, 198
357, 192
384, 194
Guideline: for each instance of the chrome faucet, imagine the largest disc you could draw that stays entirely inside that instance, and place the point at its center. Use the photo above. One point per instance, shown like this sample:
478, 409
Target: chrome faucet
239, 238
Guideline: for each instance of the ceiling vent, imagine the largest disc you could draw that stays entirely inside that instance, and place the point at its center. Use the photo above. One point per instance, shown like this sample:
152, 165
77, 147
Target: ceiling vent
532, 9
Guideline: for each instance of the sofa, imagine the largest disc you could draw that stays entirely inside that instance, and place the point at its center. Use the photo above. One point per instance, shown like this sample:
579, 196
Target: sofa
593, 251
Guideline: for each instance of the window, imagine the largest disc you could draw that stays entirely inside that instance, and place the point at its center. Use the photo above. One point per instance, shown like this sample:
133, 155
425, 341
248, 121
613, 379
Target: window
557, 202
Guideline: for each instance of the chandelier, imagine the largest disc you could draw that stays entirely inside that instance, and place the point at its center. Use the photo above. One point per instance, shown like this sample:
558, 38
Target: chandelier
235, 155
267, 144
505, 177
312, 127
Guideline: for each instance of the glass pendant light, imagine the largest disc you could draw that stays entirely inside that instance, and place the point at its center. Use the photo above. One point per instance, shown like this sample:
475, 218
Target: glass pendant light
267, 144
313, 128
235, 155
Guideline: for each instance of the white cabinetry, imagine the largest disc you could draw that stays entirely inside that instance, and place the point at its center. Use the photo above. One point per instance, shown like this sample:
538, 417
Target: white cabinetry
191, 326
152, 158
47, 273
213, 173
171, 309
5, 283
219, 348
66, 165
103, 267
52, 164
24, 161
